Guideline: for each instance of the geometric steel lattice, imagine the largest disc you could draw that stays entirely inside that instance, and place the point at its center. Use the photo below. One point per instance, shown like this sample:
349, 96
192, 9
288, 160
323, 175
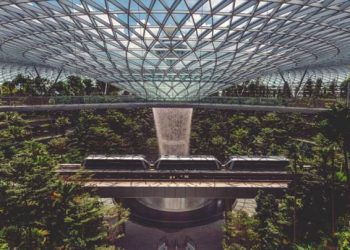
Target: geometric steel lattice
174, 48
328, 75
8, 71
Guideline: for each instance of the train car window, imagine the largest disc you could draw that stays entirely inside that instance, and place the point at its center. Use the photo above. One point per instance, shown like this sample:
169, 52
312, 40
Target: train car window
120, 162
257, 163
187, 163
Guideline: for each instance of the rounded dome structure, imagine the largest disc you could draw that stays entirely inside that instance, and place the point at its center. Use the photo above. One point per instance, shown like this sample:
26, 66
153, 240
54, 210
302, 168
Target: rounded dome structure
174, 49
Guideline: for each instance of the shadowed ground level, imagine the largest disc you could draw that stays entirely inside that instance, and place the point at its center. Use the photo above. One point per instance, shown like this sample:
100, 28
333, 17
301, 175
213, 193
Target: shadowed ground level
206, 237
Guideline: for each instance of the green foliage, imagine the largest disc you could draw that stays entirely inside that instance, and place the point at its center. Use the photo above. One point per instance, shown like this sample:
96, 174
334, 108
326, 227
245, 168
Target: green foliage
58, 146
72, 86
317, 92
335, 126
62, 123
343, 240
240, 231
306, 247
269, 226
38, 210
73, 220
29, 183
286, 91
344, 87
343, 235
308, 88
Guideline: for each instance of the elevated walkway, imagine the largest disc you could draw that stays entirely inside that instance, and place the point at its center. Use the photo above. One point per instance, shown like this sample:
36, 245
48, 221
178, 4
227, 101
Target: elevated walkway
181, 184
67, 103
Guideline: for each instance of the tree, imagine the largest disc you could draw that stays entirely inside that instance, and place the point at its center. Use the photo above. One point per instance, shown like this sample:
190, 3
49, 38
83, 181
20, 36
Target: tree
240, 231
76, 86
58, 148
89, 87
8, 88
268, 226
219, 144
313, 216
343, 235
344, 88
100, 87
308, 88
59, 88
30, 180
240, 138
286, 91
335, 127
38, 210
332, 89
62, 123
317, 92
252, 89
77, 221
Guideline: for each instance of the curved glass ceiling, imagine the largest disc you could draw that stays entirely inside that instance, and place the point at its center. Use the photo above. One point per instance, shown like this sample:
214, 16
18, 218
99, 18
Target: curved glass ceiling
8, 71
175, 48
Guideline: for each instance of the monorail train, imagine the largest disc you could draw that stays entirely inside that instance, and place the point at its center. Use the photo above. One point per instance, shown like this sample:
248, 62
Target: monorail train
116, 162
257, 163
183, 163
194, 162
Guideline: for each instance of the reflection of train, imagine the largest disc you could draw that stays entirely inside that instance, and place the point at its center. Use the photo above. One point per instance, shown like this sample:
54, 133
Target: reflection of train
165, 244
184, 163
116, 162
196, 162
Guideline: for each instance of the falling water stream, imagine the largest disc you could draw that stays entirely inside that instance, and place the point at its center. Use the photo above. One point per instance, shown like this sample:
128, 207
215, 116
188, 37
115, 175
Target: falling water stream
173, 127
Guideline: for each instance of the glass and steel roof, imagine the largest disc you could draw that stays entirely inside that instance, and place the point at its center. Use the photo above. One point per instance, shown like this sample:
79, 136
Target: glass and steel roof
8, 71
295, 77
174, 48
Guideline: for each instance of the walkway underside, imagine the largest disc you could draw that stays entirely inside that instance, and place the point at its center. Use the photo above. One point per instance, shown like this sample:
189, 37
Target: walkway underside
129, 105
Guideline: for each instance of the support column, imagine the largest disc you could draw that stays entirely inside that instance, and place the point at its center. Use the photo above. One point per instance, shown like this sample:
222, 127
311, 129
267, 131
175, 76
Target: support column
348, 96
284, 80
300, 83
36, 71
106, 89
59, 74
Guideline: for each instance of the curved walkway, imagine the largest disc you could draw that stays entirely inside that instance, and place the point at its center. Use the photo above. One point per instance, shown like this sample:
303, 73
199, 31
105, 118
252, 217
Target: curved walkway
131, 105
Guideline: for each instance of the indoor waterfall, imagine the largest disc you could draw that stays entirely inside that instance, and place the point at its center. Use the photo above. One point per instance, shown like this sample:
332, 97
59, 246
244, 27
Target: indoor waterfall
173, 127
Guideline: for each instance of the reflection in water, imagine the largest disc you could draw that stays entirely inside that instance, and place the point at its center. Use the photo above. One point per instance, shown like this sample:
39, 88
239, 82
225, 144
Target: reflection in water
186, 244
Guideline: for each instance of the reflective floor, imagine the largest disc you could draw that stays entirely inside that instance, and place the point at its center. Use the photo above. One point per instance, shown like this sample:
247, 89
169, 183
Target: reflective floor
206, 237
